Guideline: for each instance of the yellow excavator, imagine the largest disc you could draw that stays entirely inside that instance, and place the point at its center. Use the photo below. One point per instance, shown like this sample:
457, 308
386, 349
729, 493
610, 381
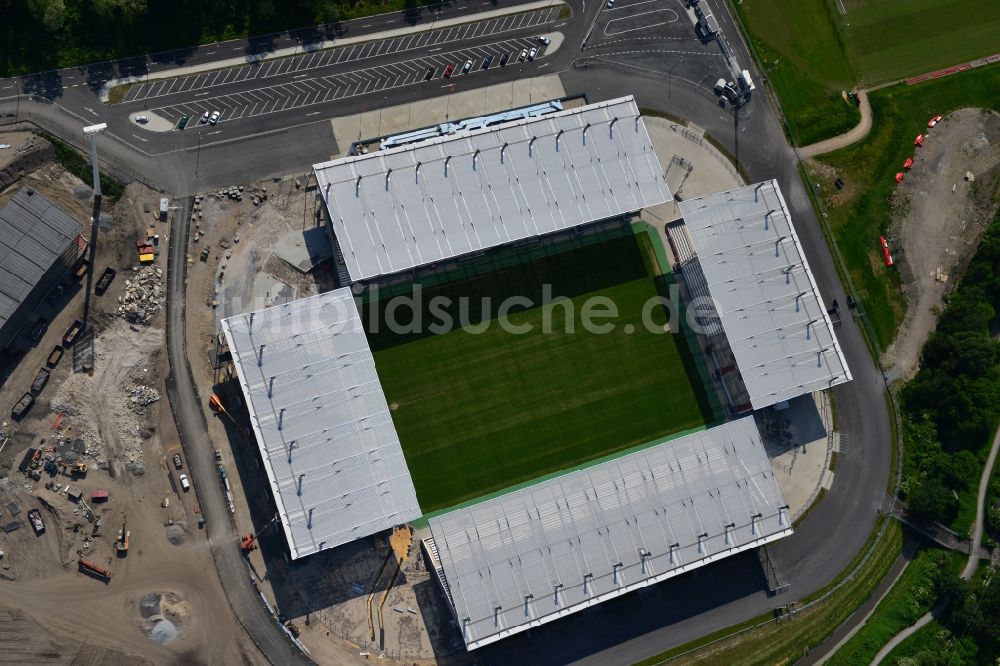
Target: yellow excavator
121, 544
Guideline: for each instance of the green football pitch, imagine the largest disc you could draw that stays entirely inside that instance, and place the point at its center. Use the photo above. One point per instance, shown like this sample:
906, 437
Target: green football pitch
480, 408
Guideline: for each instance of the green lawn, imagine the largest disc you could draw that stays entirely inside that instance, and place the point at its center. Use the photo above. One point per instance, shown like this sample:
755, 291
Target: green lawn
892, 39
479, 412
860, 214
911, 596
812, 53
804, 56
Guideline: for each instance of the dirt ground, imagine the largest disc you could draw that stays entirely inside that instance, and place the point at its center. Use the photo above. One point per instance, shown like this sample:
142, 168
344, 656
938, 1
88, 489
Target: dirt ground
48, 608
939, 218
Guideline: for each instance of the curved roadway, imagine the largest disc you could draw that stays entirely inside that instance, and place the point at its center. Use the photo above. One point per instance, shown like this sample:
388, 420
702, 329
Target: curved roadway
667, 615
199, 451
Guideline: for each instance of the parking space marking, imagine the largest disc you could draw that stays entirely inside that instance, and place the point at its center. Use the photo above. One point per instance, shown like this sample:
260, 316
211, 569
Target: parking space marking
291, 95
333, 56
648, 23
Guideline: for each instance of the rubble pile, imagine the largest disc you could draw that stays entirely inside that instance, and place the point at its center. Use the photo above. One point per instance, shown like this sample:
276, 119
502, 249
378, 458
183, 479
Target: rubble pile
143, 296
139, 397
108, 410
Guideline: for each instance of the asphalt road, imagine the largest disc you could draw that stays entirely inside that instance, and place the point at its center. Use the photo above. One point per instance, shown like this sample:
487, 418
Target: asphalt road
628, 52
199, 452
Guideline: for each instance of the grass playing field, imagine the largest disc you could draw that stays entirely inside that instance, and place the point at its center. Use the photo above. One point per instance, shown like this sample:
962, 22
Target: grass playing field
894, 40
812, 52
479, 412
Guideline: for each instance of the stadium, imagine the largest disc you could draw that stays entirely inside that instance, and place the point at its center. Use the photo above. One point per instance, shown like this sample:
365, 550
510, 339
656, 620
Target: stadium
514, 361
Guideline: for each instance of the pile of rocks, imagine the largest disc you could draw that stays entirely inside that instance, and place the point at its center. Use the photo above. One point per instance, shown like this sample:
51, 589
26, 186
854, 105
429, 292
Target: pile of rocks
139, 397
235, 193
143, 296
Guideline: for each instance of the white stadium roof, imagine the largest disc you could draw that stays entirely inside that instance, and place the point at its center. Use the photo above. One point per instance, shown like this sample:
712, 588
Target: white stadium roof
764, 293
556, 547
324, 430
404, 207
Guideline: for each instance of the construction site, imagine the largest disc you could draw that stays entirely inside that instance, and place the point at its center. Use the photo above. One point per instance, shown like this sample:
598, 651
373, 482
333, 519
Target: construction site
101, 555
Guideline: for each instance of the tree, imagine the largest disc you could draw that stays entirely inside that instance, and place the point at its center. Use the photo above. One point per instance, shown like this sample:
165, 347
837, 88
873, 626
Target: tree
931, 499
119, 9
51, 13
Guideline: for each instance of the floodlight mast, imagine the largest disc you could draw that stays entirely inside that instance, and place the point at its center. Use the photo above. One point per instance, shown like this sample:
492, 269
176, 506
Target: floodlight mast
93, 131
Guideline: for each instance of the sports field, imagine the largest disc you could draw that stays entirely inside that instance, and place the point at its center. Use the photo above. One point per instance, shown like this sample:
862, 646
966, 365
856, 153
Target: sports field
812, 51
895, 39
477, 412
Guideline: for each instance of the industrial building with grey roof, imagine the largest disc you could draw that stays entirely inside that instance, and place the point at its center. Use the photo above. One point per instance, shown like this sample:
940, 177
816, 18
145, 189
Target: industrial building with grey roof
417, 204
39, 242
556, 547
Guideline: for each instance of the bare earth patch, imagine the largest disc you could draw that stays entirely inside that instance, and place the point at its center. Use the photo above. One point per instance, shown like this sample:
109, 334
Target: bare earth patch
939, 216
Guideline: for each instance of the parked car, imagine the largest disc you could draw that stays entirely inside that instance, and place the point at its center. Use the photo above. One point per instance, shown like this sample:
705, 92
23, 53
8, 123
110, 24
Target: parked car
934, 121
532, 53
204, 117
430, 73
214, 118
177, 461
544, 40
185, 484
57, 293
142, 120
487, 61
611, 3
503, 59
524, 54
448, 71
38, 330
182, 123
467, 67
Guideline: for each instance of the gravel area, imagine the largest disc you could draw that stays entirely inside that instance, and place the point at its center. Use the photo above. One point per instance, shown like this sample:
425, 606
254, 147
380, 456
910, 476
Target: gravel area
107, 409
939, 217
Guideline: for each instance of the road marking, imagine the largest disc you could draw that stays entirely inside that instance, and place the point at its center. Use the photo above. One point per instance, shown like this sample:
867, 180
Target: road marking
314, 113
299, 76
210, 53
367, 25
139, 137
215, 132
238, 48
201, 93
91, 110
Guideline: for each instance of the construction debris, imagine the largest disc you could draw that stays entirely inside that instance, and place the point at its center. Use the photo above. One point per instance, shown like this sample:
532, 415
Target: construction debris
141, 397
143, 296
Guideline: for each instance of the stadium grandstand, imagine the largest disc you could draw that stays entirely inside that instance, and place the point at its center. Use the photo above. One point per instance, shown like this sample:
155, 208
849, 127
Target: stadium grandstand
556, 547
739, 249
453, 195
551, 547
322, 424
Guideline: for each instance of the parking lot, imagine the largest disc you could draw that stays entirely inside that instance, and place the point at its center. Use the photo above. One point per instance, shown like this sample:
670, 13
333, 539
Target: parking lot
310, 63
657, 36
311, 90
